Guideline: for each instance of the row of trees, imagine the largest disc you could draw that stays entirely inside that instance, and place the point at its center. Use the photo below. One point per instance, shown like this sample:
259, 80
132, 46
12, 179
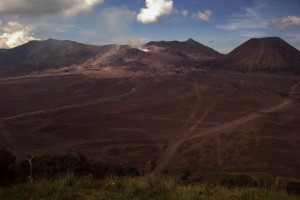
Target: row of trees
53, 166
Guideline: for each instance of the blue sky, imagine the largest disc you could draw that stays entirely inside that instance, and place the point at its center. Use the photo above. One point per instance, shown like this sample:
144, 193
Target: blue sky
220, 24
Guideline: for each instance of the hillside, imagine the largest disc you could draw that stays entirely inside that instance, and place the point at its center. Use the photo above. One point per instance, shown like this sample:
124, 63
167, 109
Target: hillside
269, 54
156, 57
190, 48
164, 57
42, 55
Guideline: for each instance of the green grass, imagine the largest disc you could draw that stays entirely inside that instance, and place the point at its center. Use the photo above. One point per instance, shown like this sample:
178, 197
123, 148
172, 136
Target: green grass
124, 188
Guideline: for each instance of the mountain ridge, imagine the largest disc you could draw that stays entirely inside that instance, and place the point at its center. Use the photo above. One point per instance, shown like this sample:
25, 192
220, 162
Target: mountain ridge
47, 54
188, 47
270, 54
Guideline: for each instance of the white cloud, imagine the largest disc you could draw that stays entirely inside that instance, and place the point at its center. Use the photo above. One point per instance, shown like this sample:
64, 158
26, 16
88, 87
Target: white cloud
14, 34
154, 10
12, 27
205, 16
285, 22
3, 44
251, 18
46, 7
185, 13
114, 26
116, 20
82, 6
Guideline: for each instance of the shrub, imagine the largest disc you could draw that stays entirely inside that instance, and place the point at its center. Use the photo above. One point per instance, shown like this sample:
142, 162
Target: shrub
56, 166
7, 172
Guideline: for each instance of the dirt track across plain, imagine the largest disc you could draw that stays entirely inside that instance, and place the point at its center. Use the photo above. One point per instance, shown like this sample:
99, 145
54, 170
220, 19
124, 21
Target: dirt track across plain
198, 121
176, 142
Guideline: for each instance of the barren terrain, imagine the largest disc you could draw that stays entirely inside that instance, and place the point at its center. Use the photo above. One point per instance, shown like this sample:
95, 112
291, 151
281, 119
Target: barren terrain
205, 121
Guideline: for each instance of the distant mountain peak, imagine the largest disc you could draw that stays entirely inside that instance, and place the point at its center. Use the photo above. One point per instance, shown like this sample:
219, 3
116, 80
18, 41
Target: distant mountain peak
191, 40
49, 39
266, 38
268, 54
189, 47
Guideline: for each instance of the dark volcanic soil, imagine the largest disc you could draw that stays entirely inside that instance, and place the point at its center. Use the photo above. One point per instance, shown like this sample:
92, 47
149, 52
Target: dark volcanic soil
210, 121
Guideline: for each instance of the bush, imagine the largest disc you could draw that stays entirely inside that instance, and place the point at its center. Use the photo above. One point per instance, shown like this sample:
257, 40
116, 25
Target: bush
237, 180
52, 166
7, 163
55, 166
125, 171
293, 187
186, 175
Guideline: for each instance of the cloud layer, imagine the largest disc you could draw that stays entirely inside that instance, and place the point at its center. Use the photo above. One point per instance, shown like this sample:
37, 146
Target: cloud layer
252, 18
285, 22
154, 10
14, 34
185, 13
205, 16
46, 7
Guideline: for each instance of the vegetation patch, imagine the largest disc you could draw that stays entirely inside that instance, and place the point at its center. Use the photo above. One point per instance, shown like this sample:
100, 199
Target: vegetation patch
167, 187
75, 177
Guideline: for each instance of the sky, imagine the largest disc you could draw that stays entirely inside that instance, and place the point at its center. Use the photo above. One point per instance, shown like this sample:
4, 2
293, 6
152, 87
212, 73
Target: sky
220, 24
